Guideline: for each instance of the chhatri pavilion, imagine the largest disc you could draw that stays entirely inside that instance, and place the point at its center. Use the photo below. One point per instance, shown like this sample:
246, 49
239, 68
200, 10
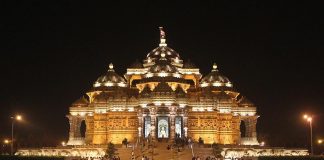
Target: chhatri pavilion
163, 97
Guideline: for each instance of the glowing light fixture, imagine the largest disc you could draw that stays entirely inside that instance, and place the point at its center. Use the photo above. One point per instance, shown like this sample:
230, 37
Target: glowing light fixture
18, 118
163, 74
6, 141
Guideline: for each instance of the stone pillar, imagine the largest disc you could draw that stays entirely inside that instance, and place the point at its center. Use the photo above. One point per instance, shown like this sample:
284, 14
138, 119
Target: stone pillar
185, 124
172, 127
140, 123
139, 132
77, 132
153, 124
185, 131
250, 125
172, 122
72, 127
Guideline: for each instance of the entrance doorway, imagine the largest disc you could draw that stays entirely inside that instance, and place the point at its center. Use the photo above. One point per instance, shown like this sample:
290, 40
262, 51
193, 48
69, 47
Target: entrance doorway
163, 127
147, 126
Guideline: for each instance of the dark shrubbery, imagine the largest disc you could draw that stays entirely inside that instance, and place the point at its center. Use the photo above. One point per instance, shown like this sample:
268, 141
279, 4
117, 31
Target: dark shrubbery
6, 157
292, 158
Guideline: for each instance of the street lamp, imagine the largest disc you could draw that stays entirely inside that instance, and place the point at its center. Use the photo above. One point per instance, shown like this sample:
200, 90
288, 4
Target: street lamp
310, 119
13, 119
320, 141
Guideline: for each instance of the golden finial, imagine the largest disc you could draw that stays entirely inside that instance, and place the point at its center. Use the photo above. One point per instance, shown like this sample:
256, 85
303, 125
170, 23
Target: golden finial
162, 37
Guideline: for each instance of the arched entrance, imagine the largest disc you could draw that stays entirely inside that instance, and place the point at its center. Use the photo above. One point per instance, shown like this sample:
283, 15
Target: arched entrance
163, 127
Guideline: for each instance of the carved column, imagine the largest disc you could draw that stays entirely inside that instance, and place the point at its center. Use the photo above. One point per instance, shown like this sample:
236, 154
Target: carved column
140, 122
77, 132
153, 119
253, 123
250, 125
172, 122
72, 129
185, 123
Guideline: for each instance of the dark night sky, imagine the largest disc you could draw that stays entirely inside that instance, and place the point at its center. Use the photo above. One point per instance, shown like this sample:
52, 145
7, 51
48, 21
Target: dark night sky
52, 52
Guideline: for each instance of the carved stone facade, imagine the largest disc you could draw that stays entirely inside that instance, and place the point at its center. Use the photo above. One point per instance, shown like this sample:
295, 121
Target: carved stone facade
162, 97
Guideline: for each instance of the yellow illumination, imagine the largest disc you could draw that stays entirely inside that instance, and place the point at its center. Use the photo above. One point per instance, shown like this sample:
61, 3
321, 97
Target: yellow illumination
163, 74
148, 75
320, 141
109, 84
176, 60
309, 119
204, 84
18, 117
63, 143
6, 141
305, 116
217, 84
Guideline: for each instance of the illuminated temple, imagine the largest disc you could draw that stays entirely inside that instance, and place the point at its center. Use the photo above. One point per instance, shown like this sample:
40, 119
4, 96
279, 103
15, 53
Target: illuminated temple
162, 97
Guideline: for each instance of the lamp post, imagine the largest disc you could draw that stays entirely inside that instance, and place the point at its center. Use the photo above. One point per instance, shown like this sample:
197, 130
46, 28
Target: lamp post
13, 119
310, 119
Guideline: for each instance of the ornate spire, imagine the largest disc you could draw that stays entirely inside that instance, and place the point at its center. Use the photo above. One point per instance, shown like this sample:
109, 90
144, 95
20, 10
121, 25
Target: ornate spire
162, 37
111, 67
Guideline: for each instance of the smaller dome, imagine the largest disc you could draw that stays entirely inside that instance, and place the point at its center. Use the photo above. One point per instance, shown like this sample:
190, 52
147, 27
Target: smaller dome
214, 78
81, 102
111, 78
